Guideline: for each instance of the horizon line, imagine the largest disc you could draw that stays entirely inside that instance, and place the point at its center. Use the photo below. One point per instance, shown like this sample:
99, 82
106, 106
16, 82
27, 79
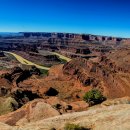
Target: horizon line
65, 32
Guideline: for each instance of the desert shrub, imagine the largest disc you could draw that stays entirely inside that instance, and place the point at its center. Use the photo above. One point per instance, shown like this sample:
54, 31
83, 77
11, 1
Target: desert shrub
63, 61
74, 127
2, 68
94, 97
43, 72
6, 76
35, 70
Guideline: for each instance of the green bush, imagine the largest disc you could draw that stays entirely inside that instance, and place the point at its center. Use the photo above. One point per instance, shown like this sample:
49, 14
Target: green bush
63, 61
74, 127
94, 97
43, 72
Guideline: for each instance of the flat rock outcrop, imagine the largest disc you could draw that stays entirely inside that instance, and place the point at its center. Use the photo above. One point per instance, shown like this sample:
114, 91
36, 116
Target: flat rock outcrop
31, 112
37, 115
108, 118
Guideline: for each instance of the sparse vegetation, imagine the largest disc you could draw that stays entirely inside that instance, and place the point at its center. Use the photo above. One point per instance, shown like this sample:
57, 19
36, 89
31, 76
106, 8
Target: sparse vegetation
63, 61
2, 68
6, 76
43, 72
94, 97
74, 127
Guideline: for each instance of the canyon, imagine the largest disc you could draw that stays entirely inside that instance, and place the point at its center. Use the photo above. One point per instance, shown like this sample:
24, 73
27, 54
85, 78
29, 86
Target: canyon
44, 77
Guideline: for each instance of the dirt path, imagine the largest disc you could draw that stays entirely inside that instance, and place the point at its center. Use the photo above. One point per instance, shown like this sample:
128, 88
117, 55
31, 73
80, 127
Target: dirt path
26, 62
61, 56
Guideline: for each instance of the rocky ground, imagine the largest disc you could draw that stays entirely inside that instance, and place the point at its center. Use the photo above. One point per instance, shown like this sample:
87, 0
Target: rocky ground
111, 115
31, 98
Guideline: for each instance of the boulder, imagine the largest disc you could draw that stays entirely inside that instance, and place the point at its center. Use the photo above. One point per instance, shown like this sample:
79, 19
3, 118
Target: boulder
31, 112
7, 105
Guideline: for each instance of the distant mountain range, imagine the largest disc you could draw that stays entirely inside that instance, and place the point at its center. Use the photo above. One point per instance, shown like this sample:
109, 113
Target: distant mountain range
9, 34
50, 34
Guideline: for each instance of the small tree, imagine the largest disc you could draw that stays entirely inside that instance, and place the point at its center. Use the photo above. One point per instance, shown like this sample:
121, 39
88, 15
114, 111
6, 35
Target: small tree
94, 97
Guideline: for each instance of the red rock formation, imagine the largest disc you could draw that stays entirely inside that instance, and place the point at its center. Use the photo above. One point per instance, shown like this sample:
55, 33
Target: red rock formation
109, 75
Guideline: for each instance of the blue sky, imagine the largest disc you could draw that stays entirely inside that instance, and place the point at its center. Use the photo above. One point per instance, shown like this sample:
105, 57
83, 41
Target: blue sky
102, 17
